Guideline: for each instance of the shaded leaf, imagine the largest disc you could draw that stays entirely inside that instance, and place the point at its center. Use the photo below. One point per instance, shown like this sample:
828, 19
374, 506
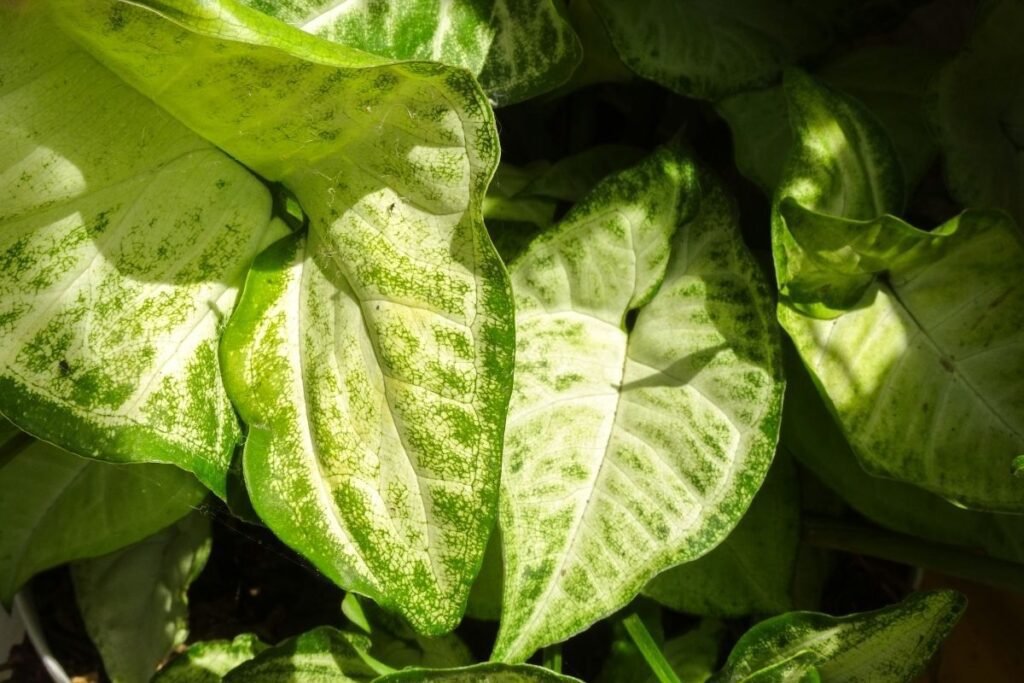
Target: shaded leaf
58, 507
890, 645
751, 571
134, 601
978, 106
483, 673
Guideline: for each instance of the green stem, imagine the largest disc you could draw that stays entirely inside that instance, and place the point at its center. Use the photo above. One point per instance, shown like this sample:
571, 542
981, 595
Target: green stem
552, 658
649, 649
861, 539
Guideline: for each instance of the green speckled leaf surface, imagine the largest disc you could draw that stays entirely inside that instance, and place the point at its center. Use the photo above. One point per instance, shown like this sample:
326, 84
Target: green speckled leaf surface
322, 655
372, 361
480, 673
209, 660
630, 450
123, 241
890, 645
517, 49
914, 337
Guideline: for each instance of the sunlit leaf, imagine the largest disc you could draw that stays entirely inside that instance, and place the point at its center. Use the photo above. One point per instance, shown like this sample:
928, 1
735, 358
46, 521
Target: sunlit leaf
516, 48
371, 359
208, 661
123, 242
631, 445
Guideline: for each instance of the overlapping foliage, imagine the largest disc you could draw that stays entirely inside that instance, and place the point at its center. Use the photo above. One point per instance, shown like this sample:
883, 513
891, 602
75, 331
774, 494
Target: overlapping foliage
244, 252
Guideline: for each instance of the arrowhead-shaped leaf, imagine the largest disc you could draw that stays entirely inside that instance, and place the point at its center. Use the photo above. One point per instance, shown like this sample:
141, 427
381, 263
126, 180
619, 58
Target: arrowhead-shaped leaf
890, 645
377, 381
58, 507
134, 601
123, 241
631, 445
919, 349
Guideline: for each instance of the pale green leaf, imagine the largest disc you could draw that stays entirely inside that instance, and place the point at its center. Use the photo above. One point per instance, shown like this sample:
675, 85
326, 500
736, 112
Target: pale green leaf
209, 661
323, 655
890, 645
630, 448
57, 507
842, 164
751, 571
978, 106
481, 673
373, 361
123, 240
134, 602
816, 440
918, 351
517, 49
708, 49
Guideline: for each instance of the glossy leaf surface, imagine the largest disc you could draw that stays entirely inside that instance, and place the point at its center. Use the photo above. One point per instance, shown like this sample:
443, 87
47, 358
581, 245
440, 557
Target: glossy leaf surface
134, 601
123, 241
630, 447
371, 362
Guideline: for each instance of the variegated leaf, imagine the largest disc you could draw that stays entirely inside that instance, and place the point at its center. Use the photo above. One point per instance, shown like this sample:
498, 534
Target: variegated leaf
913, 336
630, 447
489, 672
123, 240
889, 645
517, 49
373, 361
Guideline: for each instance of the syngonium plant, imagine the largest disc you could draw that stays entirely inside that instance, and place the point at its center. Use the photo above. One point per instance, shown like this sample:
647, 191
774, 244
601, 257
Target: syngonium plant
266, 252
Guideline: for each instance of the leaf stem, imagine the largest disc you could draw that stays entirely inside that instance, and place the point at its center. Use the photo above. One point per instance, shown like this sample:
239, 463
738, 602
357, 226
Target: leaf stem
551, 658
634, 626
861, 539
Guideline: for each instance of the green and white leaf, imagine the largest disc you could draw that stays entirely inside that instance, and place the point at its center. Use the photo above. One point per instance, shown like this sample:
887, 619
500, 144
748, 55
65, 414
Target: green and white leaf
629, 451
209, 661
57, 507
397, 645
322, 655
373, 360
134, 602
818, 443
978, 107
480, 673
751, 571
123, 241
890, 645
890, 80
709, 49
484, 600
517, 49
923, 369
